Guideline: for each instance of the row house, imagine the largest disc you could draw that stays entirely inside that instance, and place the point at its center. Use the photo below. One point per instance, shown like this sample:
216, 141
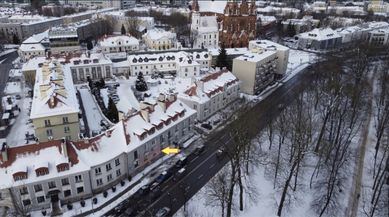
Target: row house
211, 93
48, 174
182, 64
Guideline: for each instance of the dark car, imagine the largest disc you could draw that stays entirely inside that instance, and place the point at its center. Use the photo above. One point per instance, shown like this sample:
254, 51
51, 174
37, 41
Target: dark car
163, 177
163, 212
206, 126
199, 149
220, 153
181, 162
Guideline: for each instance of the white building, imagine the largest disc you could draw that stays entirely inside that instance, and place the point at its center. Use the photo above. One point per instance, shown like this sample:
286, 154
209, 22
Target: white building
34, 46
159, 39
264, 63
211, 93
322, 39
180, 63
205, 31
118, 44
379, 37
94, 66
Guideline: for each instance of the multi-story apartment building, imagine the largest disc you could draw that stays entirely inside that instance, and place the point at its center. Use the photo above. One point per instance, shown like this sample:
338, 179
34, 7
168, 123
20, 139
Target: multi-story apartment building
205, 31
211, 93
54, 110
378, 37
159, 39
180, 63
47, 174
118, 44
282, 54
261, 66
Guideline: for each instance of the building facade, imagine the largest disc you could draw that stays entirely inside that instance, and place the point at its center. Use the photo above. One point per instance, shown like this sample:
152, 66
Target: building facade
159, 39
54, 109
263, 64
211, 93
204, 31
236, 20
118, 44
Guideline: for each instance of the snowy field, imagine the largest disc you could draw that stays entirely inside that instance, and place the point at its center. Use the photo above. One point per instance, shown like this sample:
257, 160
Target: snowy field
92, 110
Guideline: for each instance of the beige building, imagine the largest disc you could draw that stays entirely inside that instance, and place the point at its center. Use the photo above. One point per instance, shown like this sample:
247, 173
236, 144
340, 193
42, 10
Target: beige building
258, 68
54, 111
159, 39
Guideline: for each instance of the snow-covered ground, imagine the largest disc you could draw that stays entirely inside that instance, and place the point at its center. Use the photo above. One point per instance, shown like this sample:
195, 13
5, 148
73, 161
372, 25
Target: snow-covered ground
22, 125
13, 88
298, 57
92, 110
127, 99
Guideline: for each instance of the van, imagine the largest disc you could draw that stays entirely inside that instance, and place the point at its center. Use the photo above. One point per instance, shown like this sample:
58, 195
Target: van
181, 162
199, 149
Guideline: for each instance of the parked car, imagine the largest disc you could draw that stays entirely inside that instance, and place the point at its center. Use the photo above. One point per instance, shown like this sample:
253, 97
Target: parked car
163, 212
163, 177
199, 149
18, 96
179, 174
206, 126
181, 162
220, 153
154, 186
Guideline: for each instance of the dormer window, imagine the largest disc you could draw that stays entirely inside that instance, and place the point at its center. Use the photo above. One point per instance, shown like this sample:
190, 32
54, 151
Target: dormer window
86, 61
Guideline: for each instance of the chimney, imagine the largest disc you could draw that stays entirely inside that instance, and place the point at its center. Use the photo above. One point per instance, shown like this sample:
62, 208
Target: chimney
64, 148
145, 114
171, 98
4, 152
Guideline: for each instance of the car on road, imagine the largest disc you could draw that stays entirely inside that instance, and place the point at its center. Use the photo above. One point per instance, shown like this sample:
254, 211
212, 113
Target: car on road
181, 162
199, 149
220, 153
163, 176
179, 174
154, 186
163, 212
18, 96
206, 126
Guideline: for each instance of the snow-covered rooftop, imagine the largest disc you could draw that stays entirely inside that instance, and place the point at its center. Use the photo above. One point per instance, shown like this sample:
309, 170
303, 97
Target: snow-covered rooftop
320, 34
120, 40
157, 34
208, 24
212, 6
54, 92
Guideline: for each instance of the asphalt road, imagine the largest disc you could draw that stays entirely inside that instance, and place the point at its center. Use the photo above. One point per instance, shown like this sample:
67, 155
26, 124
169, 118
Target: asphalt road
5, 66
201, 168
208, 165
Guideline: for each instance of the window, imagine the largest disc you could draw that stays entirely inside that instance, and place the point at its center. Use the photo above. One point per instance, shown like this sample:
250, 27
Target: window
136, 163
80, 190
109, 177
38, 188
135, 155
66, 129
108, 167
40, 199
26, 202
67, 193
52, 185
117, 162
23, 190
118, 173
47, 123
65, 120
78, 178
98, 171
65, 181
99, 182
49, 132
69, 138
